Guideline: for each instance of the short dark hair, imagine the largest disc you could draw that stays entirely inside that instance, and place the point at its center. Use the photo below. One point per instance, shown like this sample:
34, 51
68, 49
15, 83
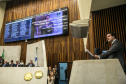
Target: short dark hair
112, 34
46, 16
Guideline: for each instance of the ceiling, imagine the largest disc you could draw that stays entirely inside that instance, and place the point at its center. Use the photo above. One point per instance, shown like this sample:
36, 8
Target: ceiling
99, 4
102, 4
4, 0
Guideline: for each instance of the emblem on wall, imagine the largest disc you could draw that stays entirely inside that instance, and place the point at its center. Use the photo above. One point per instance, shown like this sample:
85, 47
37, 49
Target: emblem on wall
38, 74
28, 76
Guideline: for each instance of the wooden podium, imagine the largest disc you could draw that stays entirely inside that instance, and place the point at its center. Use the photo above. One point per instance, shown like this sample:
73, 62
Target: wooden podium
107, 71
15, 75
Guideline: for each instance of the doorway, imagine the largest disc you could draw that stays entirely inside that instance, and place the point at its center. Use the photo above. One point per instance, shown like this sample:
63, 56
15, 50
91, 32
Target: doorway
63, 79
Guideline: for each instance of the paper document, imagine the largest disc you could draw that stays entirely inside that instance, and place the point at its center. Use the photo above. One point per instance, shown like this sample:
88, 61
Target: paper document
86, 50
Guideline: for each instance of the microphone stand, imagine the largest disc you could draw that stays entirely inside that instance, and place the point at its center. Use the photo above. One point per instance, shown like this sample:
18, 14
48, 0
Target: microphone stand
97, 51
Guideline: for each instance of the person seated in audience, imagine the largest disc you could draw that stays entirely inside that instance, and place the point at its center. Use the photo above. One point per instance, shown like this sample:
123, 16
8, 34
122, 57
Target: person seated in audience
17, 64
54, 72
22, 62
30, 64
49, 69
56, 76
6, 64
12, 64
51, 78
1, 61
56, 68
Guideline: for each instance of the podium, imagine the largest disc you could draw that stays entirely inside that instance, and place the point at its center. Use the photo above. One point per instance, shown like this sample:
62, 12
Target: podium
100, 71
15, 75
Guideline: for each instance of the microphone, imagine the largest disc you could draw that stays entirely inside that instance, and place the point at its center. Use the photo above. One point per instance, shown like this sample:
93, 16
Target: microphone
97, 51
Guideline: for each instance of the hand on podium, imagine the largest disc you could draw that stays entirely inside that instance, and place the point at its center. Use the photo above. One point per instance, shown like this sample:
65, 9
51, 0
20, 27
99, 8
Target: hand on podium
96, 56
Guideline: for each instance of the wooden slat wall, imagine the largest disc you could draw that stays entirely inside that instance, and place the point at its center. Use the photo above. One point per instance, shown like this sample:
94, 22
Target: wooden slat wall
110, 20
59, 48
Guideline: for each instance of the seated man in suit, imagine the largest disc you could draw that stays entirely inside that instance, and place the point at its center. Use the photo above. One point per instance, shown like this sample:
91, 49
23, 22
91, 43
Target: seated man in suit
6, 64
12, 64
22, 63
30, 64
116, 50
17, 64
1, 61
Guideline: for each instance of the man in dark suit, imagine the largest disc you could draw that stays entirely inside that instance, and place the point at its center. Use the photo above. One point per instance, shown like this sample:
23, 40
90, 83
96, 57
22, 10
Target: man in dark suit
30, 64
1, 61
17, 64
6, 64
116, 50
12, 64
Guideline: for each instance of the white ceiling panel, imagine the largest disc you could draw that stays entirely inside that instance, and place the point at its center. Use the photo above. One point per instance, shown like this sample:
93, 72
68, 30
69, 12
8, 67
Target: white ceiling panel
103, 4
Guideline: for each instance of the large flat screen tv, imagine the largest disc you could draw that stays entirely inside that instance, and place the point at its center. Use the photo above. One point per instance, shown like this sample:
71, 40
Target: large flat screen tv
18, 30
51, 23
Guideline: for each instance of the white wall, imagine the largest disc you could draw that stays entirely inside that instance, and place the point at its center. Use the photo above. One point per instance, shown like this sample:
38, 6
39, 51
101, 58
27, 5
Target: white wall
2, 11
41, 53
11, 53
15, 75
103, 4
84, 10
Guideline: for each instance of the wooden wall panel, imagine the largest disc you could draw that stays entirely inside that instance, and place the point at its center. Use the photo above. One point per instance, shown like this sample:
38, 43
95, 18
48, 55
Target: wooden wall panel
59, 48
109, 20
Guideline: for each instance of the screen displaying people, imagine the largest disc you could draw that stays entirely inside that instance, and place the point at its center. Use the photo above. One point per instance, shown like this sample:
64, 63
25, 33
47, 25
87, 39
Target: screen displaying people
49, 24
46, 24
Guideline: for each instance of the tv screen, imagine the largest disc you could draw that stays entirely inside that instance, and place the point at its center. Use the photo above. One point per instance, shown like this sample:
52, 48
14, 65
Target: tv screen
51, 24
18, 30
41, 25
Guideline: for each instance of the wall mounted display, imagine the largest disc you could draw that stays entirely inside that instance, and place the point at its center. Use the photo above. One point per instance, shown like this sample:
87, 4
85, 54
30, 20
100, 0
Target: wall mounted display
51, 23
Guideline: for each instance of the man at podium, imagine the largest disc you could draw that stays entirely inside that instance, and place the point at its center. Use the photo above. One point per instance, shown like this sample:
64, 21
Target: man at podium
116, 50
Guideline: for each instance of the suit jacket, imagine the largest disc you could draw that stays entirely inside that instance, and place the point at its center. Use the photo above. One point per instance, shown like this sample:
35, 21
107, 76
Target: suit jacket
18, 65
116, 51
5, 64
32, 65
1, 62
12, 65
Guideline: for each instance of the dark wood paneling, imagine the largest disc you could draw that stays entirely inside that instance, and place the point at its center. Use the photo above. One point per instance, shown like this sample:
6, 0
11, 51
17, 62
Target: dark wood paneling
69, 67
109, 20
59, 48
